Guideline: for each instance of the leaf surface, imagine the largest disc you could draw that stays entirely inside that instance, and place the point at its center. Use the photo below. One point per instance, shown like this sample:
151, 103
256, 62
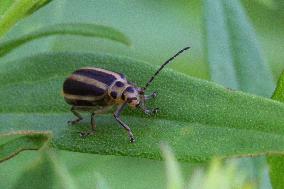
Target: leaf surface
233, 53
14, 142
197, 118
91, 30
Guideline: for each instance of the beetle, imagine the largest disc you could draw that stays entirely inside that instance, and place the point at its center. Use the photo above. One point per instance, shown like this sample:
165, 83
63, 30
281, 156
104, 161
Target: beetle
97, 90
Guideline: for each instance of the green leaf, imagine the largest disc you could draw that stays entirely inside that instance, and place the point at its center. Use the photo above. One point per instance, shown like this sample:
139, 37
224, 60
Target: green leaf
276, 163
234, 57
268, 3
4, 5
91, 30
233, 52
220, 175
14, 142
45, 172
174, 177
18, 10
199, 119
279, 91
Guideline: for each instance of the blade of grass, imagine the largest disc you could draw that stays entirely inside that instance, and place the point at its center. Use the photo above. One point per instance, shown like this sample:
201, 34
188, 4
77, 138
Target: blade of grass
276, 163
89, 30
234, 56
174, 177
18, 10
4, 5
233, 53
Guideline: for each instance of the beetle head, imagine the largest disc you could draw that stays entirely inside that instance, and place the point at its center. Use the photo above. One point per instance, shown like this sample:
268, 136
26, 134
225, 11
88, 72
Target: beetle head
132, 96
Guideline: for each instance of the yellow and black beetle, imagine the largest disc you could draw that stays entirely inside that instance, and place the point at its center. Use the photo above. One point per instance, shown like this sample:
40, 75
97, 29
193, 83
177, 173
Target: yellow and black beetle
97, 90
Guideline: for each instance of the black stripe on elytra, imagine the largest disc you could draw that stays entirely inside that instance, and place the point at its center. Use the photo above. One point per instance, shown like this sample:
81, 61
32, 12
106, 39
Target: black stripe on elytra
101, 76
79, 102
75, 87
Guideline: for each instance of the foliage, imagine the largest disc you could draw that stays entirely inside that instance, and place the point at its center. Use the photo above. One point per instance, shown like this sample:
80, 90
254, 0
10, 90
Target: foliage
18, 10
198, 119
276, 163
90, 30
187, 126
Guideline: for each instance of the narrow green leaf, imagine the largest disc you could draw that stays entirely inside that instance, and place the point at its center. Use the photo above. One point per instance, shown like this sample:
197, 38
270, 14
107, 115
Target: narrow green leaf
268, 3
233, 52
197, 118
276, 163
234, 55
174, 177
220, 175
14, 142
4, 5
18, 10
91, 30
45, 172
279, 91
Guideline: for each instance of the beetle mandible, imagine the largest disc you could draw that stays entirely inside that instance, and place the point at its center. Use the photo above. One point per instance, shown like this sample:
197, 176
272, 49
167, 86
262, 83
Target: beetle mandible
97, 90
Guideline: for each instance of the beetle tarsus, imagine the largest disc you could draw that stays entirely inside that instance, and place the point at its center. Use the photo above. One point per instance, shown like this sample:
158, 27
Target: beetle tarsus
132, 140
86, 133
151, 112
155, 110
154, 94
151, 96
73, 122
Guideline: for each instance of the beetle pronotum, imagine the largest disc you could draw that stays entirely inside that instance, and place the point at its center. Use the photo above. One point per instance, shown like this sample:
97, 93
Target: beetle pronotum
97, 90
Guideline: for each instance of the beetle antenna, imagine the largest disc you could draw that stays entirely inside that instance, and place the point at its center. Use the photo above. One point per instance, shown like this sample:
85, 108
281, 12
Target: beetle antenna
163, 65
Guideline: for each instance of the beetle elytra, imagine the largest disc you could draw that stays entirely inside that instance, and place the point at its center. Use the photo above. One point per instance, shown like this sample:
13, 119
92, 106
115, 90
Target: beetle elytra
97, 90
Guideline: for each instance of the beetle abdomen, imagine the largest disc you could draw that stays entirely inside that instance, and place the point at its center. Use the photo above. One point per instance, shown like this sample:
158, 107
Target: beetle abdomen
88, 86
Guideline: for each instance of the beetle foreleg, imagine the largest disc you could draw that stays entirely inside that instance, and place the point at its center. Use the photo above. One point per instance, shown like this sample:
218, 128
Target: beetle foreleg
79, 117
148, 97
117, 117
146, 110
150, 111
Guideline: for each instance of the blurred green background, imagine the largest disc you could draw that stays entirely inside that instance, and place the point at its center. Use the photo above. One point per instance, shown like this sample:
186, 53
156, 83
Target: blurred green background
157, 29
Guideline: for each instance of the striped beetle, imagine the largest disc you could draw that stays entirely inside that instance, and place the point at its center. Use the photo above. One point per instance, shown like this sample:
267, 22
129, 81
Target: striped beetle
97, 90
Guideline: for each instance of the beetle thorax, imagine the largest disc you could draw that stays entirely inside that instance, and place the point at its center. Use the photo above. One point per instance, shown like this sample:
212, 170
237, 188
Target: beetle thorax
121, 91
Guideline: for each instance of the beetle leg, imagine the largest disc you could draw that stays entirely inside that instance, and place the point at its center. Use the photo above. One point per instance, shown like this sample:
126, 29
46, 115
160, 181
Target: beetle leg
93, 123
79, 117
117, 117
93, 127
150, 111
146, 110
148, 97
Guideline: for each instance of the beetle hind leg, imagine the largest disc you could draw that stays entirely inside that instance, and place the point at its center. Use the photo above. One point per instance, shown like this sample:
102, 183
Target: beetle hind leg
79, 117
